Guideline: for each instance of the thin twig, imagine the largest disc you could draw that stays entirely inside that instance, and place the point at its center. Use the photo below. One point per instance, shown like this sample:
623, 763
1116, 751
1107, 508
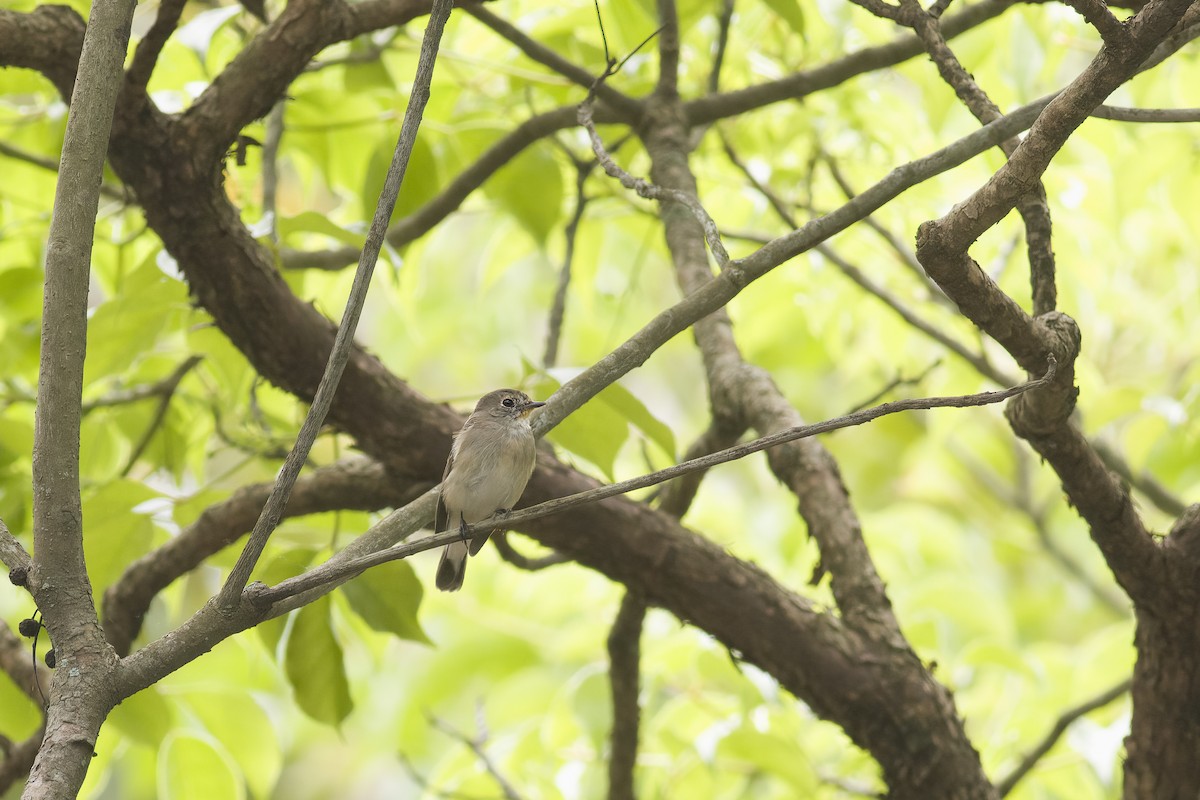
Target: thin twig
558, 309
627, 106
112, 192
272, 511
1124, 114
896, 383
262, 595
165, 391
1006, 785
724, 22
522, 561
903, 251
650, 191
163, 388
477, 747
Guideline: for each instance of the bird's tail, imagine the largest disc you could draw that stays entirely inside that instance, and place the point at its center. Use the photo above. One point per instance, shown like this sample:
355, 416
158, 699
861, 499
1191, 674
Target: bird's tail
452, 567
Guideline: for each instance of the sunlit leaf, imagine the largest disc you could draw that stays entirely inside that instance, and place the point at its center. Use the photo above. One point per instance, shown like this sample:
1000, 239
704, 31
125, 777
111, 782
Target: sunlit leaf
387, 597
314, 665
530, 187
192, 768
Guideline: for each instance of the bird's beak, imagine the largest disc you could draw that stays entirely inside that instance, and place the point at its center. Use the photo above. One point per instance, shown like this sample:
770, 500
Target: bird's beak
528, 408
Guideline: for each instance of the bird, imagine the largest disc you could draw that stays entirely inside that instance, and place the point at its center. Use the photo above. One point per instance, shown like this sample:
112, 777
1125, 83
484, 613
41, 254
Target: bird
490, 463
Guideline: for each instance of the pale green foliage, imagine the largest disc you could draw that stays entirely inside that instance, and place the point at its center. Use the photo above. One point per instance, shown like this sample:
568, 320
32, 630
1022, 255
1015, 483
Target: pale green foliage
464, 309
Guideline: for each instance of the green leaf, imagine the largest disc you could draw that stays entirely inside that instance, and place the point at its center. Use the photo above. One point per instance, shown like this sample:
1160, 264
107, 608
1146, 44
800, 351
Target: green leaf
312, 222
21, 293
629, 406
21, 715
114, 535
771, 754
246, 733
146, 717
530, 187
791, 13
191, 768
596, 431
139, 315
315, 668
387, 598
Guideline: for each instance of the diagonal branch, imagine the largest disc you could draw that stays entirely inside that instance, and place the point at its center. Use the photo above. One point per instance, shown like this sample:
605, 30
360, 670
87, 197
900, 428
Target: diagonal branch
340, 355
163, 388
1010, 781
14, 556
151, 45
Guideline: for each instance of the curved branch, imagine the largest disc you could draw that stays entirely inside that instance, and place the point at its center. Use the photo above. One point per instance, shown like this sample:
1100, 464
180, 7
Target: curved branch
18, 761
48, 39
151, 45
260, 74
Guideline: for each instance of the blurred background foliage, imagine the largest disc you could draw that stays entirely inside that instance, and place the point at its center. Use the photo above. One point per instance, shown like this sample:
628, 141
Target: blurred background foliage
376, 691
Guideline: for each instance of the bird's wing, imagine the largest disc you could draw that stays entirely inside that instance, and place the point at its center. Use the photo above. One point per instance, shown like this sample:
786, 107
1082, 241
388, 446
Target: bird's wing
441, 517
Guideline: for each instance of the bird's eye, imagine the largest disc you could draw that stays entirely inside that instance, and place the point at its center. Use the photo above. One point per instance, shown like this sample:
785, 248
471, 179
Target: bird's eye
508, 402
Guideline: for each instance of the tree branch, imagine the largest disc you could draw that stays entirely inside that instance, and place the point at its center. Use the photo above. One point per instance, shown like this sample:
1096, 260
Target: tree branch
558, 308
624, 656
1096, 13
340, 355
14, 556
1123, 114
59, 578
151, 45
1043, 421
476, 743
519, 560
161, 389
1010, 781
259, 76
18, 761
649, 190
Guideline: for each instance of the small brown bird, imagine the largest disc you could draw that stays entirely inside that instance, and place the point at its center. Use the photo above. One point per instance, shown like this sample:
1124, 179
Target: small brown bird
490, 462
